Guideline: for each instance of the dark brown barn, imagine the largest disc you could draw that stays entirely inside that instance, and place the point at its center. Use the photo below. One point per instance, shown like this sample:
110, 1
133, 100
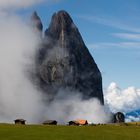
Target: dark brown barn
73, 123
50, 122
20, 121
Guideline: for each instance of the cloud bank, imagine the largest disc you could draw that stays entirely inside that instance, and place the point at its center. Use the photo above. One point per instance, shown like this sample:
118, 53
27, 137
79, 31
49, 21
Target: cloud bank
17, 48
19, 97
5, 4
69, 105
128, 36
125, 100
111, 22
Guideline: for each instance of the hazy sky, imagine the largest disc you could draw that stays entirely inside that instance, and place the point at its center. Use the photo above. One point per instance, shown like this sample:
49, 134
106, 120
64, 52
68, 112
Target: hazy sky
111, 31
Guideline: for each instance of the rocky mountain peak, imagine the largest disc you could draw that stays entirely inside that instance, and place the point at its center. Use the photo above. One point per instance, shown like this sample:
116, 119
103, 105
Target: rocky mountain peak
36, 21
66, 63
61, 21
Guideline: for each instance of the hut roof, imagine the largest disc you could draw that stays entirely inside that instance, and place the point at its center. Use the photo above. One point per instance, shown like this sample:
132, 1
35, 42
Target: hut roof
81, 122
49, 121
74, 122
20, 120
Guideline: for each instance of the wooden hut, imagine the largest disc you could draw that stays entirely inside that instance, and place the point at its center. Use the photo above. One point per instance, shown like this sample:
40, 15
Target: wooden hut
73, 123
119, 117
50, 122
78, 122
20, 121
82, 122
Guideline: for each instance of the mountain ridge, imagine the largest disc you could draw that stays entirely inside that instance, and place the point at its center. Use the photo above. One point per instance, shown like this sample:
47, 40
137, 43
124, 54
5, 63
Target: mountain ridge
65, 62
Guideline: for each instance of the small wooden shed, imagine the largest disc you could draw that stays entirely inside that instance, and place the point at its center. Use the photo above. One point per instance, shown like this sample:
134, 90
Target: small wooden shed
73, 123
82, 122
78, 122
119, 117
20, 121
50, 122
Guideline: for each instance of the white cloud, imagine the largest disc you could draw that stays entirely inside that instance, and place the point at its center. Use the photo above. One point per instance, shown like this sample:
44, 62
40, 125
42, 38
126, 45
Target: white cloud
5, 4
132, 118
125, 100
70, 106
17, 51
111, 22
18, 46
128, 36
134, 45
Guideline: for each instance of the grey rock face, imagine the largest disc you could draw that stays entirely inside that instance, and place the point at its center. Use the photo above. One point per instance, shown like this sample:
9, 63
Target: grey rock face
36, 21
65, 62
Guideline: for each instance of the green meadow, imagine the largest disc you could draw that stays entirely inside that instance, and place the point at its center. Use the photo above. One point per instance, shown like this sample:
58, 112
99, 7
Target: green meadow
40, 132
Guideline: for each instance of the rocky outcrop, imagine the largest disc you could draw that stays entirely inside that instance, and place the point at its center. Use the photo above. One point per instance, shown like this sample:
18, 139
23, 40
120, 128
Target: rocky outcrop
36, 21
64, 61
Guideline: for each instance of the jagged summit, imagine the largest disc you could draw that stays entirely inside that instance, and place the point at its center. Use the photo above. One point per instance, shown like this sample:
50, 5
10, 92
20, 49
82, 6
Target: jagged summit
60, 21
61, 16
34, 14
36, 21
65, 62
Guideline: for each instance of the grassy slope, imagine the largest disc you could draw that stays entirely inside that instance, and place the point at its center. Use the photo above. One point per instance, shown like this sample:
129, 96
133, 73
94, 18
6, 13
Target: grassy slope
107, 132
